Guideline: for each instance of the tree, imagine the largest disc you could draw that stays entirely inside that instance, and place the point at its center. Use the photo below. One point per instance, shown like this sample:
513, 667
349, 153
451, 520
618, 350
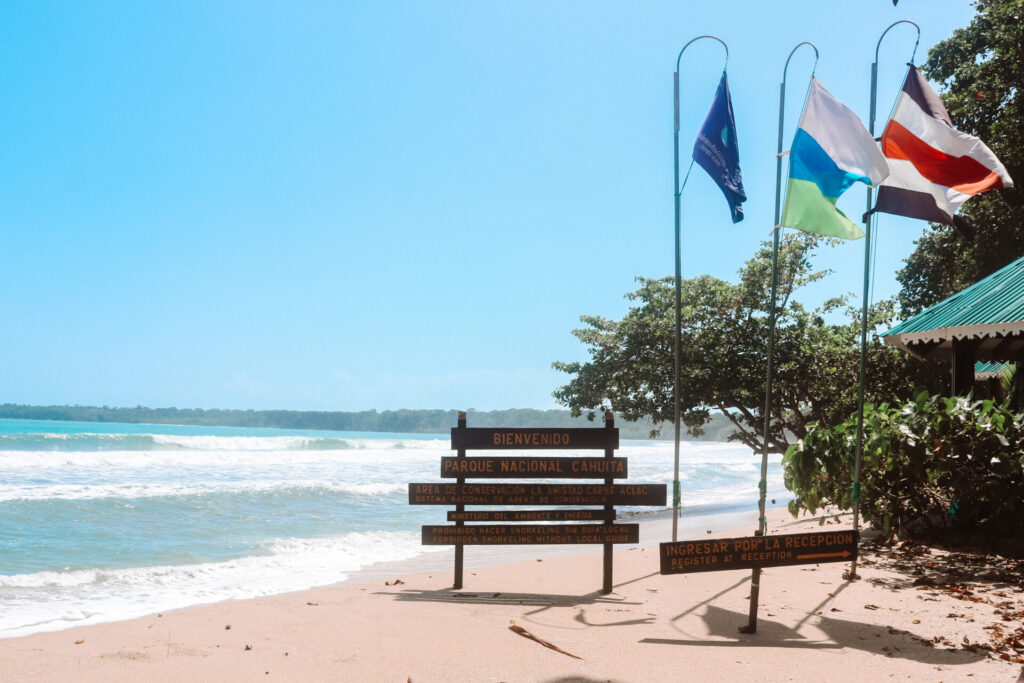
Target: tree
980, 71
724, 353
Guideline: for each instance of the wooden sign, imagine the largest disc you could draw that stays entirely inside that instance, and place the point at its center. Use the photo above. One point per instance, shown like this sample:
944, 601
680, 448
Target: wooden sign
607, 495
539, 468
719, 554
531, 534
537, 494
486, 438
531, 516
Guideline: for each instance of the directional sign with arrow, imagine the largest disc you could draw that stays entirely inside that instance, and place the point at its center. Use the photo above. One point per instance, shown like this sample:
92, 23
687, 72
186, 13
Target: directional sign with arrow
718, 554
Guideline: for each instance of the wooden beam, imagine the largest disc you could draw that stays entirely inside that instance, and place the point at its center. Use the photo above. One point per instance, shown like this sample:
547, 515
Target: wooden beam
963, 367
1007, 348
926, 351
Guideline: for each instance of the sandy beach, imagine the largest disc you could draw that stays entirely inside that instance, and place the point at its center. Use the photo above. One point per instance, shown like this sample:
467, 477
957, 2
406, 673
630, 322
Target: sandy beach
911, 616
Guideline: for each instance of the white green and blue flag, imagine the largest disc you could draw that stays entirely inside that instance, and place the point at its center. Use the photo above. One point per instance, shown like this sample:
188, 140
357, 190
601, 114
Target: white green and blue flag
831, 151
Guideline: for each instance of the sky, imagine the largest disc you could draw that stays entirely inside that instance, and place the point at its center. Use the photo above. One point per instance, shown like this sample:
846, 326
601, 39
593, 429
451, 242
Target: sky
384, 205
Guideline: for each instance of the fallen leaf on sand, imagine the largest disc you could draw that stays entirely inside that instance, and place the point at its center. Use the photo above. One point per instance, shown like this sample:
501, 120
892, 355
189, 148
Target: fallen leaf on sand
551, 646
79, 642
228, 627
314, 604
248, 647
870, 606
396, 582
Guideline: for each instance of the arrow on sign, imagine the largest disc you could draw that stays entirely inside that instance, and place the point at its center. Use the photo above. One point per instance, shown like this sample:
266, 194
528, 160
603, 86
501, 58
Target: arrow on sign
845, 553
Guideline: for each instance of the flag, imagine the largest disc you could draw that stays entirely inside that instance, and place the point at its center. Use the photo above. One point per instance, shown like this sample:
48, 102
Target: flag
934, 167
831, 151
717, 152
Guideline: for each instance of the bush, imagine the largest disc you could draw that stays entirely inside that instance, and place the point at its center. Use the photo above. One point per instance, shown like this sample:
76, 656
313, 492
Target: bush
934, 463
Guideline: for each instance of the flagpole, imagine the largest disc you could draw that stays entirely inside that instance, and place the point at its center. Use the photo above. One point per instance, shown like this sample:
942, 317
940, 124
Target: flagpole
762, 525
864, 300
678, 191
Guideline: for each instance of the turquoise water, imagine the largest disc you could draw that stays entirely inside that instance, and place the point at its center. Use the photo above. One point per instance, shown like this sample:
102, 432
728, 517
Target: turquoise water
103, 521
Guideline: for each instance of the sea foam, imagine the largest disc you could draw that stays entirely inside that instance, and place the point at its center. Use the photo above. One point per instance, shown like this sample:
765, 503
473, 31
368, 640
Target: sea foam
50, 601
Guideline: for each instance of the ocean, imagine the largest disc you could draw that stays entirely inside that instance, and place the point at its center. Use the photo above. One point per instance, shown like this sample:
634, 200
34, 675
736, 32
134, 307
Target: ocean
102, 521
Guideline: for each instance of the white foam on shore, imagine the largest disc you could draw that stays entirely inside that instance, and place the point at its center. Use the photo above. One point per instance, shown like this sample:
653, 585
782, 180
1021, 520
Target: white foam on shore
162, 489
53, 601
369, 475
34, 460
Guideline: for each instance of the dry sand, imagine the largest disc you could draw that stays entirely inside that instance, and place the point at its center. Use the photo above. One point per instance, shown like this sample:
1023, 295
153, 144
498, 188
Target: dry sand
814, 625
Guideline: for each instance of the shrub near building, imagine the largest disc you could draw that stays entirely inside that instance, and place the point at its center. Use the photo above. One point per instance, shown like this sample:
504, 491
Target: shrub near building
929, 465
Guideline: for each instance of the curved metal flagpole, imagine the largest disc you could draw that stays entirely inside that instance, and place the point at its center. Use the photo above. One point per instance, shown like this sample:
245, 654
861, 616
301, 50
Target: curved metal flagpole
678, 191
864, 299
762, 525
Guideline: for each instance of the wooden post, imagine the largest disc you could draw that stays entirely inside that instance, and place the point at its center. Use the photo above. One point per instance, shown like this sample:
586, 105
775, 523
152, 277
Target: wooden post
609, 423
963, 367
1017, 388
755, 593
460, 508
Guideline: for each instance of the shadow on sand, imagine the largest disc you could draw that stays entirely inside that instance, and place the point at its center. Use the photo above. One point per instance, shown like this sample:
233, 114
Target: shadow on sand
499, 598
491, 598
840, 633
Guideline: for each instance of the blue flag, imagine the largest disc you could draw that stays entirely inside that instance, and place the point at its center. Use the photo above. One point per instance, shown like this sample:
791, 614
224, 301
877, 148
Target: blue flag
717, 152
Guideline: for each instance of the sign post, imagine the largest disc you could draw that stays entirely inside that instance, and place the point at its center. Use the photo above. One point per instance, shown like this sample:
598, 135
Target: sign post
755, 553
516, 531
609, 456
457, 584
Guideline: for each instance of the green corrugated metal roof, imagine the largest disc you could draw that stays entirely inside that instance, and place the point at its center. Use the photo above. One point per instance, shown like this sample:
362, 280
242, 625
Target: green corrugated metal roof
992, 307
987, 369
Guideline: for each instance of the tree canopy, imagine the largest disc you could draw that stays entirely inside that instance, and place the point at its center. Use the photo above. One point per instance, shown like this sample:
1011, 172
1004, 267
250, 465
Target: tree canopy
724, 353
980, 74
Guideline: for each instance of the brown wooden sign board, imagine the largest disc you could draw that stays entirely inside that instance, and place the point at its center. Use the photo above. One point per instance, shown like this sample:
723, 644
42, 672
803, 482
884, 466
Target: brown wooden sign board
531, 534
534, 468
525, 438
719, 554
537, 494
531, 516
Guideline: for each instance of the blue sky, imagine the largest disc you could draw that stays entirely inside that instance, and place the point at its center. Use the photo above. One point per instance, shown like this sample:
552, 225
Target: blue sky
345, 206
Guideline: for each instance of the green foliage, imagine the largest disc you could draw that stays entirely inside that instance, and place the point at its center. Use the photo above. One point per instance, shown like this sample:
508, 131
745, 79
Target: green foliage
942, 463
979, 73
724, 353
1006, 378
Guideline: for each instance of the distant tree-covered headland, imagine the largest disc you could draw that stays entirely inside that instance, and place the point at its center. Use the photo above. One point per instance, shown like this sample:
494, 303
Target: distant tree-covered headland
403, 421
